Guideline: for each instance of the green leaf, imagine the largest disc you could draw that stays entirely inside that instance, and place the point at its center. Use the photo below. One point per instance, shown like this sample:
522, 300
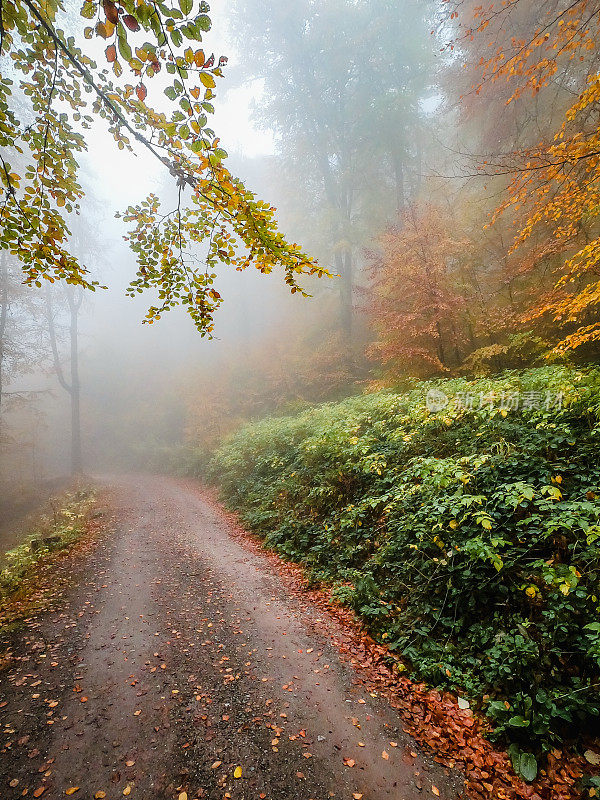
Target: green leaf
88, 10
528, 767
124, 47
186, 6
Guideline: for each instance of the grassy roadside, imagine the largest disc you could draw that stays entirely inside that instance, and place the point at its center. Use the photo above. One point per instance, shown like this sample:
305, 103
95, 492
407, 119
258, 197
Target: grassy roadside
467, 538
26, 571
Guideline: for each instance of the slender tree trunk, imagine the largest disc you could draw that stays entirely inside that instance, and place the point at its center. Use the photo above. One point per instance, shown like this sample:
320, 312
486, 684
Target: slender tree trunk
74, 387
346, 292
399, 180
76, 455
3, 322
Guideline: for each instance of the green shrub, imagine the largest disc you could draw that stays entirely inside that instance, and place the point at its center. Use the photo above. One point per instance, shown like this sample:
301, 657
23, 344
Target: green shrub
468, 539
58, 531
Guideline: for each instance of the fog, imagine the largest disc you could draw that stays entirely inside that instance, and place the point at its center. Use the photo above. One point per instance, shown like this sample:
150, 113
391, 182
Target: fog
345, 116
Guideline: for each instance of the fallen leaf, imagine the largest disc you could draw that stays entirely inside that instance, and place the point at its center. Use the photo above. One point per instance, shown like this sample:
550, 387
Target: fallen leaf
39, 791
591, 757
237, 772
435, 790
216, 764
13, 783
127, 790
357, 796
385, 755
100, 794
72, 790
349, 762
183, 796
137, 713
130, 763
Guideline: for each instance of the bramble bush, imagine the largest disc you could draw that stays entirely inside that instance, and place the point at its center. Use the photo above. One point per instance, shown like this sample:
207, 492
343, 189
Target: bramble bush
468, 540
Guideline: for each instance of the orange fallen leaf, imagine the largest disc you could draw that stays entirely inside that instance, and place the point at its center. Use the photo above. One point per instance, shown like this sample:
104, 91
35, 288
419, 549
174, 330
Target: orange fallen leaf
435, 790
357, 796
127, 790
13, 783
39, 791
349, 762
137, 713
100, 794
385, 755
216, 764
183, 796
72, 790
130, 763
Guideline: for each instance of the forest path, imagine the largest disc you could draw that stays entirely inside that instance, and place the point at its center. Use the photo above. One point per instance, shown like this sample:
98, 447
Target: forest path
179, 656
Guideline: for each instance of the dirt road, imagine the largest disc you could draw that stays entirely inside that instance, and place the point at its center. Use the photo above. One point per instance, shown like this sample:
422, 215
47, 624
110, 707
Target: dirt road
180, 656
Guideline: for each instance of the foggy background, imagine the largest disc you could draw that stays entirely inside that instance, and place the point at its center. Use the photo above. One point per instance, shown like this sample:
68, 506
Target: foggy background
344, 115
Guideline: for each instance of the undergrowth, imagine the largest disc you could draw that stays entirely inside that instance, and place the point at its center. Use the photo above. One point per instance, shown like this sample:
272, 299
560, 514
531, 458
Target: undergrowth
54, 532
467, 539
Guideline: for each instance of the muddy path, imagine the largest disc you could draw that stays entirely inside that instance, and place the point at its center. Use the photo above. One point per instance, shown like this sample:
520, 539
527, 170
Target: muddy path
179, 660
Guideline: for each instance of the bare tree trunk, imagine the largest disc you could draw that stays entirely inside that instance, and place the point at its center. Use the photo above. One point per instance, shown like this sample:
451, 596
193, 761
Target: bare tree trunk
76, 455
3, 322
73, 387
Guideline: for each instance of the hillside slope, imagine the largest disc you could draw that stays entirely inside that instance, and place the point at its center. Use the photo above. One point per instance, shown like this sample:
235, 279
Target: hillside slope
466, 537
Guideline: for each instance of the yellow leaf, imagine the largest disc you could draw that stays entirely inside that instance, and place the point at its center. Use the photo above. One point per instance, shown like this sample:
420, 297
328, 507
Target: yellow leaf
183, 796
100, 795
435, 790
127, 790
237, 773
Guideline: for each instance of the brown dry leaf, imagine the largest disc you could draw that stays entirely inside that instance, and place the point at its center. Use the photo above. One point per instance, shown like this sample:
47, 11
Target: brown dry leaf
100, 794
307, 755
39, 791
357, 796
349, 762
13, 783
130, 763
137, 713
216, 764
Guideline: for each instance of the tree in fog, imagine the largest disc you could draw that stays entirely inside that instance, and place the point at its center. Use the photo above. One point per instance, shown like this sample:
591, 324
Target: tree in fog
343, 84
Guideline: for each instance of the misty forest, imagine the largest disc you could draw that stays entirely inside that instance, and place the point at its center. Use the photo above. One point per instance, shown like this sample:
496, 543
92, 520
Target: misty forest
300, 399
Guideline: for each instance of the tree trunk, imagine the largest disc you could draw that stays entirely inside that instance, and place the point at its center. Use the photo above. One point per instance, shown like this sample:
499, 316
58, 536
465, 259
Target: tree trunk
76, 456
74, 387
3, 321
346, 310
